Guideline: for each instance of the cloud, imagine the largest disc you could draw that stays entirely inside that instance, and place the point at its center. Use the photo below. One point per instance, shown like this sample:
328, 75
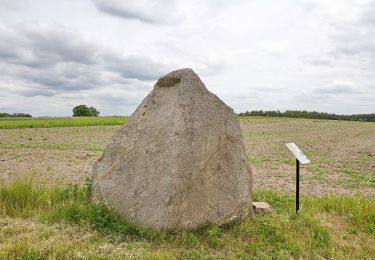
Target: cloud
13, 5
347, 32
148, 11
355, 42
318, 59
41, 45
133, 66
338, 87
163, 11
336, 90
253, 54
46, 60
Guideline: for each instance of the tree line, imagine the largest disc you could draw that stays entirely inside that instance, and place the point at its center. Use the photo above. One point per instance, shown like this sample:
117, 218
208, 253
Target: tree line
78, 111
15, 115
310, 115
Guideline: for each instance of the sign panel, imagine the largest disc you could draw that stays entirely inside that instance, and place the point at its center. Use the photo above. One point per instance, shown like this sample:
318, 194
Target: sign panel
298, 153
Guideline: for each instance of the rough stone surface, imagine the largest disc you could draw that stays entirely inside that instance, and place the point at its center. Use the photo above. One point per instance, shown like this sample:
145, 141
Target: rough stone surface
262, 207
179, 162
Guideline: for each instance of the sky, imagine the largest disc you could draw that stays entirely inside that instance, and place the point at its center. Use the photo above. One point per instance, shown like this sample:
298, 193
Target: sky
312, 55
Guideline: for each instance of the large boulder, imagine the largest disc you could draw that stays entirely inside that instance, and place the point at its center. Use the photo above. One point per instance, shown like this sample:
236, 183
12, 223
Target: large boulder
179, 161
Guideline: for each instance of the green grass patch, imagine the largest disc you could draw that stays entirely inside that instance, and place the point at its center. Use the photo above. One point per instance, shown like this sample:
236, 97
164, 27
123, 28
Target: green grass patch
360, 178
61, 122
64, 222
317, 172
260, 159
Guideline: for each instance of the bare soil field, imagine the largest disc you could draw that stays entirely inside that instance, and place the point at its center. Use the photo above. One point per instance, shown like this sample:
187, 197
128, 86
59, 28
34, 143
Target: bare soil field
342, 154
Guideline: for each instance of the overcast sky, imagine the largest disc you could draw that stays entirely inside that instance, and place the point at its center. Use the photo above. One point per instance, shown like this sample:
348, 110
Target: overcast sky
254, 54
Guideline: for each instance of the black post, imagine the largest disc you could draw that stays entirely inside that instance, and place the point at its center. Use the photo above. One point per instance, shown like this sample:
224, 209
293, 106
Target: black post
297, 185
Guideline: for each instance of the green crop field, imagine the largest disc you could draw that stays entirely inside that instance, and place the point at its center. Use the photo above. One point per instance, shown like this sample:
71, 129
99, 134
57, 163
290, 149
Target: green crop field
11, 123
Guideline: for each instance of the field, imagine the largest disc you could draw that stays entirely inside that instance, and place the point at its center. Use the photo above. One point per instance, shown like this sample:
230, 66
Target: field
11, 123
50, 218
342, 153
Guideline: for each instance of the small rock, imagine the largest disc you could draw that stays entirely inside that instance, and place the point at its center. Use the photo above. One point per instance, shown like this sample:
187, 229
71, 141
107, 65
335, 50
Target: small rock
262, 207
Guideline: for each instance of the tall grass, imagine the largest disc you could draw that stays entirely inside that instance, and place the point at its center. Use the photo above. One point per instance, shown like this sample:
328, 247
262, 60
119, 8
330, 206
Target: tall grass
62, 222
61, 122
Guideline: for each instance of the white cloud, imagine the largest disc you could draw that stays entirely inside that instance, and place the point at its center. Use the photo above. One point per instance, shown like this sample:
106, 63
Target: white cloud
13, 5
309, 54
338, 87
50, 59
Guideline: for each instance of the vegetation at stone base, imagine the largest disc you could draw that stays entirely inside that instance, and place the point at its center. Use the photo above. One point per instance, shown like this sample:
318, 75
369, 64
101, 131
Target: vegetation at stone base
83, 110
310, 115
61, 122
15, 115
61, 222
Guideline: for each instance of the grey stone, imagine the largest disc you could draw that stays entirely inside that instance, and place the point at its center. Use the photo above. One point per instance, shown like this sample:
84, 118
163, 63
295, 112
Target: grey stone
262, 207
179, 161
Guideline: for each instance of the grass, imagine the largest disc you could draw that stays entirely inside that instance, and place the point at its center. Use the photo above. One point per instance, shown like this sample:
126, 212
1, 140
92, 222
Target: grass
357, 177
258, 160
61, 222
61, 122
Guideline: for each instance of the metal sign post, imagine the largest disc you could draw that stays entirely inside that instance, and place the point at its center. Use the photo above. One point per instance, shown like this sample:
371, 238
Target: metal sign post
300, 158
297, 185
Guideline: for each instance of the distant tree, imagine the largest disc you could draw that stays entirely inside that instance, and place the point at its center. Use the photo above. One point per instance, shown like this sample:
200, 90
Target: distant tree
21, 115
94, 111
15, 115
83, 110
